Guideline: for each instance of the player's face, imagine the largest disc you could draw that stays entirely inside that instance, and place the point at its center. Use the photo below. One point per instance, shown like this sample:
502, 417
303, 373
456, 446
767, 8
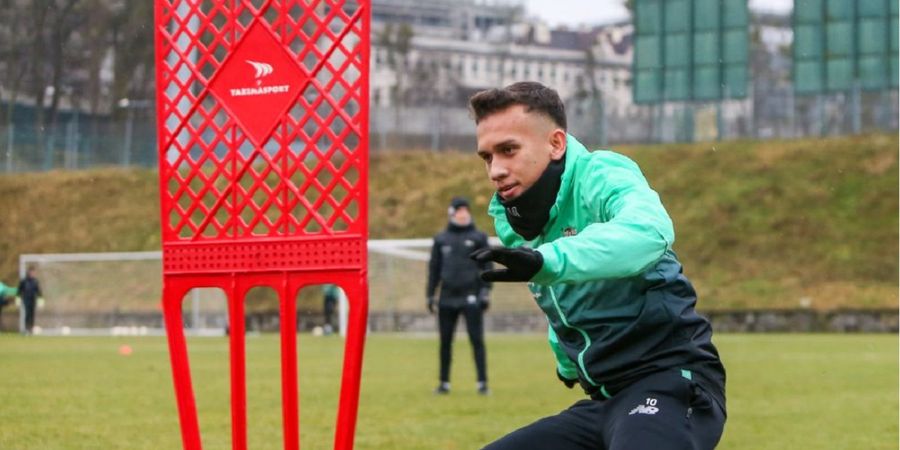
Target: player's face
461, 216
516, 147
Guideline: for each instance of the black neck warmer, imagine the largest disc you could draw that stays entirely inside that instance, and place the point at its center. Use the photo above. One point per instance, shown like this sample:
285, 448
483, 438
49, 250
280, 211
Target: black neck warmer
460, 228
529, 212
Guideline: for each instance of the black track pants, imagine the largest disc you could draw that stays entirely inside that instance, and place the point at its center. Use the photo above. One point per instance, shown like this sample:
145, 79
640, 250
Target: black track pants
664, 410
447, 318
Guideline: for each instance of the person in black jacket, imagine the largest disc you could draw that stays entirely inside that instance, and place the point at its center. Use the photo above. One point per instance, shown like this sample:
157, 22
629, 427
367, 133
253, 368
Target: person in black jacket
461, 289
29, 291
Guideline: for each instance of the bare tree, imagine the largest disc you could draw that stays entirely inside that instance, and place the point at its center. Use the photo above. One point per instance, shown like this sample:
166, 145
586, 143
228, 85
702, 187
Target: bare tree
15, 65
52, 23
131, 28
64, 22
95, 51
38, 14
398, 43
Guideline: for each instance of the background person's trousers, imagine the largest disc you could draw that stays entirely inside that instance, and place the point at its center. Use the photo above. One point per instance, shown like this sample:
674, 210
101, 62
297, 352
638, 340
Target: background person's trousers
663, 411
447, 318
29, 314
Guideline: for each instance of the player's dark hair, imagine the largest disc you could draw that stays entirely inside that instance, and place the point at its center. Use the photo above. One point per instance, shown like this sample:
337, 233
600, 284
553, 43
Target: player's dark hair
533, 95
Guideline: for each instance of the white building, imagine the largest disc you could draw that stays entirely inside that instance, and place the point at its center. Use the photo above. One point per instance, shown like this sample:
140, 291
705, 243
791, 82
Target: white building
466, 46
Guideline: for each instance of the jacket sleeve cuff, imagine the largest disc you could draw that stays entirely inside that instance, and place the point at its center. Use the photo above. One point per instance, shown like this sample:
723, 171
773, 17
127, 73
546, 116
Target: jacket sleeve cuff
567, 372
550, 269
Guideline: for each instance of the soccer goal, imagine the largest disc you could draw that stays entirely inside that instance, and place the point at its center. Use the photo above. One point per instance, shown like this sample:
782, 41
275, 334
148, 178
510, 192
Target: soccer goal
119, 293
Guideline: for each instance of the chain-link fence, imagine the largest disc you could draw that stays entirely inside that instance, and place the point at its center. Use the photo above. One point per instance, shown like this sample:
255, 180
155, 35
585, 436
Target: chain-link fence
77, 141
80, 141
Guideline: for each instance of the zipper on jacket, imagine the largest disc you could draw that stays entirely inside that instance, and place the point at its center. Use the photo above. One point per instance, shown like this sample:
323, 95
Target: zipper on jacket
584, 335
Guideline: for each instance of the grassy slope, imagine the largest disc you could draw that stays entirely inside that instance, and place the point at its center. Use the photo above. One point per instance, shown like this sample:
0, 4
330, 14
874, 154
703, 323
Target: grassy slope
784, 391
759, 223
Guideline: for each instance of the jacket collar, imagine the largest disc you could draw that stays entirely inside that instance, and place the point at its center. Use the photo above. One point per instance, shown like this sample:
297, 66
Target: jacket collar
452, 227
574, 151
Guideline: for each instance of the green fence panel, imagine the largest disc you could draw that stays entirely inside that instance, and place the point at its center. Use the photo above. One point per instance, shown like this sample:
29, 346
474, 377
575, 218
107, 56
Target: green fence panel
809, 77
809, 41
677, 84
648, 55
735, 51
734, 13
809, 11
893, 29
707, 85
647, 86
859, 45
895, 71
872, 36
678, 50
706, 48
735, 81
871, 8
839, 9
839, 39
647, 16
690, 42
677, 16
839, 74
706, 15
873, 72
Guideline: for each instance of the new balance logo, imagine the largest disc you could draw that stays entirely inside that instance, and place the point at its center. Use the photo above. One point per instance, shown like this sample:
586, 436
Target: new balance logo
649, 407
262, 69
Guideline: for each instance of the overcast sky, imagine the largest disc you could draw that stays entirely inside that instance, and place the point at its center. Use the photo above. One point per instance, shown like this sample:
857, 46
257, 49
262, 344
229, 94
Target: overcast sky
593, 12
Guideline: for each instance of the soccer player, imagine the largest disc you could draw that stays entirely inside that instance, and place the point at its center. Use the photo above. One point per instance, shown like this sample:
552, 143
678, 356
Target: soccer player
461, 289
594, 243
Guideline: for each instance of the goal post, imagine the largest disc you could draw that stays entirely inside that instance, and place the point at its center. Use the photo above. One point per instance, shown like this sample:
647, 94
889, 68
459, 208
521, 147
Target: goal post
119, 293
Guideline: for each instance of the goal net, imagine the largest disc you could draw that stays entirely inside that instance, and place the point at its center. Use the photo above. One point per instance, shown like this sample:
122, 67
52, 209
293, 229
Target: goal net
119, 293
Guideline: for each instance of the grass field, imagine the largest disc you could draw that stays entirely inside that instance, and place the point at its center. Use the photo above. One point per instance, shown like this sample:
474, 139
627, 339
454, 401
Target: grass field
784, 392
759, 224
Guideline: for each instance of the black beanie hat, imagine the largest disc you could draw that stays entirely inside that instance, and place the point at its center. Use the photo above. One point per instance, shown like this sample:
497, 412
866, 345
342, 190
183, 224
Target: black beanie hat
459, 202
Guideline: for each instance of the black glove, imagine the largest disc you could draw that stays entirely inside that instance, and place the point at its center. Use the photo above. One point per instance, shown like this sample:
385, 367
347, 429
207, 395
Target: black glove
430, 301
484, 299
569, 383
522, 263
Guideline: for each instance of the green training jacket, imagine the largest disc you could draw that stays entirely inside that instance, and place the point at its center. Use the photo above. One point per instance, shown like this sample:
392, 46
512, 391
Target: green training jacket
612, 289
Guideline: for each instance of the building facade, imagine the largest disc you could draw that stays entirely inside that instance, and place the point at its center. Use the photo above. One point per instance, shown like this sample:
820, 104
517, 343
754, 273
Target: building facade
445, 52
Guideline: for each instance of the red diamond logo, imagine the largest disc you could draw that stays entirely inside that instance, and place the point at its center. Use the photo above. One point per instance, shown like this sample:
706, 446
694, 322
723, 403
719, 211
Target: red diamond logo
258, 83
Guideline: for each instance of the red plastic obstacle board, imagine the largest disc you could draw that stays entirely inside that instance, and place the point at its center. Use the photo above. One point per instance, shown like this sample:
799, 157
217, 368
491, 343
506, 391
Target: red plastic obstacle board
262, 117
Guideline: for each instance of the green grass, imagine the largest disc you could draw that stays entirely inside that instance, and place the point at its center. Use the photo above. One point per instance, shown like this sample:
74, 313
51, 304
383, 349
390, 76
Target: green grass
784, 391
759, 224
